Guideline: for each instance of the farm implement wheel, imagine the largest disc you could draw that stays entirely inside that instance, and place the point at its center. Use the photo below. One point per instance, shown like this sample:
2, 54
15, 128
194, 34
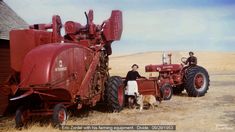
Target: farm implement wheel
131, 102
21, 117
115, 94
197, 81
166, 91
59, 116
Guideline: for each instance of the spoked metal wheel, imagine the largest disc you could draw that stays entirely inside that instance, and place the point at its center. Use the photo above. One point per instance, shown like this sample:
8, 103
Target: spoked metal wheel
166, 91
59, 116
200, 81
21, 117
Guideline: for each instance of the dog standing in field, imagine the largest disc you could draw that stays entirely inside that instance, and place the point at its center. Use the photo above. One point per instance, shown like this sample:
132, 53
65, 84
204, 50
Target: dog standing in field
144, 99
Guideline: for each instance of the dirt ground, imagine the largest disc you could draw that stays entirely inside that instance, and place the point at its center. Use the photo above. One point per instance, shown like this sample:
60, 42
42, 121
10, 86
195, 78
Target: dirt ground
213, 112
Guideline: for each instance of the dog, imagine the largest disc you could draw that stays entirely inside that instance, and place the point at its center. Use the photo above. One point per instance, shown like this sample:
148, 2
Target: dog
144, 99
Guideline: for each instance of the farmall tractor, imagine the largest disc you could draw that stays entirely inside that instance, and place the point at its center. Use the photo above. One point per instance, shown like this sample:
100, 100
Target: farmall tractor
171, 78
194, 79
59, 73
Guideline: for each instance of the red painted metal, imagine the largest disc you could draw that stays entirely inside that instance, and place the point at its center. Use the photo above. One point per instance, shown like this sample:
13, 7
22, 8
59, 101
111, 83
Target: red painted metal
199, 81
171, 74
71, 70
113, 26
167, 92
4, 92
163, 68
168, 74
22, 41
72, 27
61, 115
120, 95
148, 87
84, 90
5, 60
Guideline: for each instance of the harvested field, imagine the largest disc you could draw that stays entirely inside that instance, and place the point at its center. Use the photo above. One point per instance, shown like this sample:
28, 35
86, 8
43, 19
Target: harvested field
213, 112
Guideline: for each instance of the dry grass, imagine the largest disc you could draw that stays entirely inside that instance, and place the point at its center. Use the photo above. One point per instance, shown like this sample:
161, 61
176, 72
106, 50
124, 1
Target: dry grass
214, 62
206, 113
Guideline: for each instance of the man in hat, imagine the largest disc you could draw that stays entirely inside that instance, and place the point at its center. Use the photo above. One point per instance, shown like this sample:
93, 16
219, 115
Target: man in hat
192, 60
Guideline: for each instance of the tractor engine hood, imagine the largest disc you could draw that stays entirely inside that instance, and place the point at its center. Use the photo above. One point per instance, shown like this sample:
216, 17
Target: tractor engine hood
163, 68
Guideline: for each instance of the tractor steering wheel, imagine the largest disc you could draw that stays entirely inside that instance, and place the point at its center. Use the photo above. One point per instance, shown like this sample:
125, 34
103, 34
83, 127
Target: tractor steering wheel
184, 59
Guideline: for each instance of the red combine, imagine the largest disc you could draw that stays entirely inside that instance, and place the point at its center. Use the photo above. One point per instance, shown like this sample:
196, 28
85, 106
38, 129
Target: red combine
57, 73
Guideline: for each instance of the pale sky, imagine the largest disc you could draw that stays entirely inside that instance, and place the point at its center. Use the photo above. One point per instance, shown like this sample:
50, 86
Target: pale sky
149, 25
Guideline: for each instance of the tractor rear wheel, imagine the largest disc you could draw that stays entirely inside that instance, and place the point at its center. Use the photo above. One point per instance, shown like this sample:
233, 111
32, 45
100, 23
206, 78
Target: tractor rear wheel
196, 81
166, 91
178, 89
115, 95
59, 116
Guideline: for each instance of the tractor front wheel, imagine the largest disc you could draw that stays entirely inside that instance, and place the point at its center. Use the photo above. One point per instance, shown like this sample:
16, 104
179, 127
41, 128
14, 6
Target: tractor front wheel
166, 91
196, 81
59, 116
115, 95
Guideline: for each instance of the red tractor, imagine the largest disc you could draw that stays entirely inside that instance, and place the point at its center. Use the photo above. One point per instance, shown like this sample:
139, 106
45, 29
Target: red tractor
58, 73
195, 79
172, 78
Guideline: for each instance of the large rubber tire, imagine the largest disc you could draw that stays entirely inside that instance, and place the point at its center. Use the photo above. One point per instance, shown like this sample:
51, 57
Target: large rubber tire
60, 115
21, 117
115, 95
178, 89
166, 91
191, 75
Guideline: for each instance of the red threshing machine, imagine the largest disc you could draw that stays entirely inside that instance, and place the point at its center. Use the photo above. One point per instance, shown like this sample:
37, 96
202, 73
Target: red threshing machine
58, 73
